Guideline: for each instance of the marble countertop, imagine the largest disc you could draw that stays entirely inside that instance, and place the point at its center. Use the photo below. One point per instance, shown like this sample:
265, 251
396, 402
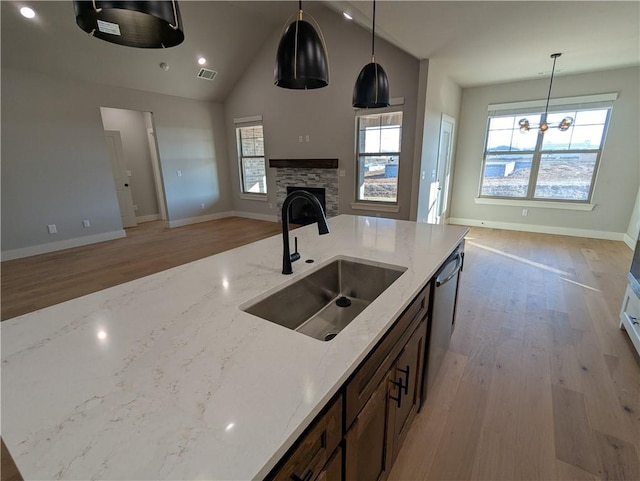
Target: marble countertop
165, 378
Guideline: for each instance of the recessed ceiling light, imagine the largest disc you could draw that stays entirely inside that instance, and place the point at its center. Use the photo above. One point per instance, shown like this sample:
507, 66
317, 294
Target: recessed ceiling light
347, 16
27, 12
202, 60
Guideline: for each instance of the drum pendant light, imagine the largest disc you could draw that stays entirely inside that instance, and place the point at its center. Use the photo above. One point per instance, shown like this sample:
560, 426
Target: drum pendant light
301, 61
144, 24
372, 86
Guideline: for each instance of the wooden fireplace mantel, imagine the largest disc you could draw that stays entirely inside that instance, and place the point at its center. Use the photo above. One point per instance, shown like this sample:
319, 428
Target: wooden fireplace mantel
304, 163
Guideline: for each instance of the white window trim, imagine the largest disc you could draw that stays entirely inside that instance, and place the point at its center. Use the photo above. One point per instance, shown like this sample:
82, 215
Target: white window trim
381, 206
375, 206
248, 122
584, 101
248, 196
536, 203
512, 108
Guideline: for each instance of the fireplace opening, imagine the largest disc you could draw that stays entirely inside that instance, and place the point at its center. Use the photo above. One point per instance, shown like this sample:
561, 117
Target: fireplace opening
301, 212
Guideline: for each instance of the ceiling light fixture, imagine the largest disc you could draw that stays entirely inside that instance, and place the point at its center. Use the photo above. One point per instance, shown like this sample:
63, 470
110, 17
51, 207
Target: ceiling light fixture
301, 61
563, 125
202, 61
149, 24
27, 12
372, 86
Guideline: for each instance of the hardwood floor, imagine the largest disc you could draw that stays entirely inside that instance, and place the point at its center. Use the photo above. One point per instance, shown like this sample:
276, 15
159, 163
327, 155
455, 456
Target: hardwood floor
35, 282
539, 383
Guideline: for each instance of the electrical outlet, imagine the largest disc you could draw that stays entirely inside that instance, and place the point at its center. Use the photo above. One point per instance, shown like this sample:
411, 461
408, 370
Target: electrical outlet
299, 138
179, 173
52, 229
525, 212
86, 224
307, 138
135, 207
202, 206
342, 173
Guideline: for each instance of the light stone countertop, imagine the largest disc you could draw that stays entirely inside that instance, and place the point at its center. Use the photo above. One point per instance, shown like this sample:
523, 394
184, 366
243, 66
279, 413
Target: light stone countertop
165, 378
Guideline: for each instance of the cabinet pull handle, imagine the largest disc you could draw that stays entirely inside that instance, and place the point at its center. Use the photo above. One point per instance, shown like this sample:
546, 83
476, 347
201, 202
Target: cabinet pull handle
406, 378
400, 387
306, 477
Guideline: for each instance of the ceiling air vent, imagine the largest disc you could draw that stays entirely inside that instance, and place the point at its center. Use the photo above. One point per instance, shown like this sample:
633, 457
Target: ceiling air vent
207, 74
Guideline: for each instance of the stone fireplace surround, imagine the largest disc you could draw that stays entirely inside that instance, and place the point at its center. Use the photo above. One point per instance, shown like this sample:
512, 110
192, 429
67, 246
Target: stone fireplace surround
319, 173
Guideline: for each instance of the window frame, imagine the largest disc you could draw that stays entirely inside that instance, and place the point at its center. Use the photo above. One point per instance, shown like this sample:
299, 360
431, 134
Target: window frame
524, 109
380, 205
243, 124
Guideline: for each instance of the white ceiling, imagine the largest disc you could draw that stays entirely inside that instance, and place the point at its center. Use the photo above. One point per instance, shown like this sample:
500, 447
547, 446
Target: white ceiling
477, 42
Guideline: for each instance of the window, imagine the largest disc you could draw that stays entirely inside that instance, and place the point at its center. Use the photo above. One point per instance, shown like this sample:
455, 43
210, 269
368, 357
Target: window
378, 153
556, 165
252, 164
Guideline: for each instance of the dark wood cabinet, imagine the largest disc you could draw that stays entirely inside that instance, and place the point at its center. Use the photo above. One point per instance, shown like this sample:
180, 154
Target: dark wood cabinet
367, 455
391, 378
313, 454
406, 378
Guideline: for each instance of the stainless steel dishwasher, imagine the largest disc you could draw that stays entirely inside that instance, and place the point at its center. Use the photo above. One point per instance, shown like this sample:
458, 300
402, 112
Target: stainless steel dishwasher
444, 295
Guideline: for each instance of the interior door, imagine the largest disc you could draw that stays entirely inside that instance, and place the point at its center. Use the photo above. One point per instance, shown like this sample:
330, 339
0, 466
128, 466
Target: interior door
120, 178
440, 192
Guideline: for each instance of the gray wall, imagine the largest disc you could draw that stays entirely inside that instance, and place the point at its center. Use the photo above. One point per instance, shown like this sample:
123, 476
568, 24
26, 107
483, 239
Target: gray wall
617, 182
55, 167
135, 145
326, 114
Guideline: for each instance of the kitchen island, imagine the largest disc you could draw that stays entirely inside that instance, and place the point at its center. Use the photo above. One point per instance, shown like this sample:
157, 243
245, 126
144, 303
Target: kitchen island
165, 377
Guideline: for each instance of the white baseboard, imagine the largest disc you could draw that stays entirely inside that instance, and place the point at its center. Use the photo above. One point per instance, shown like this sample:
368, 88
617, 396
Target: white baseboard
222, 215
541, 229
200, 218
630, 241
148, 218
252, 215
61, 245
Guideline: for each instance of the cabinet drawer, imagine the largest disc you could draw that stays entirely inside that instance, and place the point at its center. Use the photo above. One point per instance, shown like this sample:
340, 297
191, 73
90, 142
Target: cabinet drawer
314, 448
373, 369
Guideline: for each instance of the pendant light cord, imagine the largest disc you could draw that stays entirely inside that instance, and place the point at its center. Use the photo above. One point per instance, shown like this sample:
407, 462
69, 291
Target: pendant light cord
373, 33
553, 69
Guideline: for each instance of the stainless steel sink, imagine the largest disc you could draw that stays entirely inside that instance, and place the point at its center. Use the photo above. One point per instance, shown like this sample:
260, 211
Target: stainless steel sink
325, 301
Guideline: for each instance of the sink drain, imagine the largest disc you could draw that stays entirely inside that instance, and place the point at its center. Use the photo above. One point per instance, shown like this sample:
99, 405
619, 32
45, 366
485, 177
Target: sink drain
343, 302
330, 335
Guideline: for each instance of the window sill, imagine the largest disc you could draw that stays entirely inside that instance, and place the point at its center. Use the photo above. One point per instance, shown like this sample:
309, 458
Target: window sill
536, 203
377, 206
260, 197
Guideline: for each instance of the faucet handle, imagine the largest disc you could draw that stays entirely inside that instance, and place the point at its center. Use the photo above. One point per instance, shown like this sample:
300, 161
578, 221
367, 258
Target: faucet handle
296, 255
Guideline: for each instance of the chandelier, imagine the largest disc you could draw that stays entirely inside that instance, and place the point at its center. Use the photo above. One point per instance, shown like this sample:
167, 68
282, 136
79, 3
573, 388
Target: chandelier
563, 125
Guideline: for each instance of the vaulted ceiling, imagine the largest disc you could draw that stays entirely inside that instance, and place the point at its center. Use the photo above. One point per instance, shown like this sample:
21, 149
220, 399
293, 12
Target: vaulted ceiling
477, 42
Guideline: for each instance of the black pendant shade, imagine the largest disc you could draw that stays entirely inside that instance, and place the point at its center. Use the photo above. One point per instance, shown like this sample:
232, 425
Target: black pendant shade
372, 88
144, 24
301, 61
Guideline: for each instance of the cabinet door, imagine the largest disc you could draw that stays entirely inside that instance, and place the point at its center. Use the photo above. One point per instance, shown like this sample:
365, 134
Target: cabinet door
405, 382
314, 448
333, 469
367, 456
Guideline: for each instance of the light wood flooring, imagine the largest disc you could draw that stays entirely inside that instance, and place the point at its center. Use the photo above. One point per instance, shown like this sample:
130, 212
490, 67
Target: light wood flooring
35, 282
539, 383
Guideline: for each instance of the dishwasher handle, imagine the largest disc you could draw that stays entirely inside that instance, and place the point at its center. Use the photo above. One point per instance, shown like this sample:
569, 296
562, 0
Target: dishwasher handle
457, 269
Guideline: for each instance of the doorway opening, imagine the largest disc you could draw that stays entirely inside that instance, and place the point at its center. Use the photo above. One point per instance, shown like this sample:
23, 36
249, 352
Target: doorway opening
135, 162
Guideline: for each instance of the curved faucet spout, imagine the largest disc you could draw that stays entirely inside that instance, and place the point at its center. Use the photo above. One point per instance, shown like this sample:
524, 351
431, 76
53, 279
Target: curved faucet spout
323, 227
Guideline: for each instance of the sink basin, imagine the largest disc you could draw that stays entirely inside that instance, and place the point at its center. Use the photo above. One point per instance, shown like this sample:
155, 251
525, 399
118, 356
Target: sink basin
325, 301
